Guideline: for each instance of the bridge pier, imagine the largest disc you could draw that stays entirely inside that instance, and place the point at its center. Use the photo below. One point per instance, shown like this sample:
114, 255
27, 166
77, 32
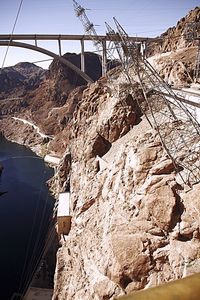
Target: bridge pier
104, 58
143, 49
36, 41
59, 47
82, 56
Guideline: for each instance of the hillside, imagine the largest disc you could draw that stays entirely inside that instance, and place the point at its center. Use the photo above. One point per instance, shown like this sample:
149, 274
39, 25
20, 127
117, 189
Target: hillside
174, 38
16, 80
173, 55
134, 221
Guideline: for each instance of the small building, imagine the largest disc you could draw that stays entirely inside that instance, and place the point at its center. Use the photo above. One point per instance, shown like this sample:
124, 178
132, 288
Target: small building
63, 214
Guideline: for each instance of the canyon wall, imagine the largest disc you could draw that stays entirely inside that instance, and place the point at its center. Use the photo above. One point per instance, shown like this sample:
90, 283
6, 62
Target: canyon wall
134, 225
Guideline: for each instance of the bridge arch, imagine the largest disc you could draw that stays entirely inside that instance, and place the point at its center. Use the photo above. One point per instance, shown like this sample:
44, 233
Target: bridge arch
49, 53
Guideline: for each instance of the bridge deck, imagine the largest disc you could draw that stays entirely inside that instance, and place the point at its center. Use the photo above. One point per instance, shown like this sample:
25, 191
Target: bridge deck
69, 37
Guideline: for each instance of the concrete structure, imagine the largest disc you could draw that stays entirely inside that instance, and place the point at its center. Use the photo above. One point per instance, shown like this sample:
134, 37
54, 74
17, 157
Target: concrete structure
49, 53
12, 40
102, 163
191, 100
63, 214
54, 160
34, 293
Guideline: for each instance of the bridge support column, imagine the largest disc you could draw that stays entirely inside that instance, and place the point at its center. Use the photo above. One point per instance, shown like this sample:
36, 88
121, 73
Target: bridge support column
82, 56
104, 58
35, 41
144, 49
59, 47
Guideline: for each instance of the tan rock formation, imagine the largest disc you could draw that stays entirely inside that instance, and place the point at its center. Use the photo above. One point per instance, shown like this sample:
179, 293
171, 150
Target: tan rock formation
174, 38
176, 68
133, 225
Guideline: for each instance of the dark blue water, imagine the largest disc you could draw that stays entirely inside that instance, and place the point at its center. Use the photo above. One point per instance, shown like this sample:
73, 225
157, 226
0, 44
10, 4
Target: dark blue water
25, 215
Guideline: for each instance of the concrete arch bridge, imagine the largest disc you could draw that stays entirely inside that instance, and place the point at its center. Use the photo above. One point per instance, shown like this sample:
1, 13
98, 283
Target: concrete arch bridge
15, 40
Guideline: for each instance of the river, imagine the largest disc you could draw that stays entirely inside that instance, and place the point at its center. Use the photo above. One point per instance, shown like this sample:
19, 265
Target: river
25, 214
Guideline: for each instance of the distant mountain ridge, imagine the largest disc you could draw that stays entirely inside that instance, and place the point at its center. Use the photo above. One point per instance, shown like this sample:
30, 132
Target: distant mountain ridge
20, 78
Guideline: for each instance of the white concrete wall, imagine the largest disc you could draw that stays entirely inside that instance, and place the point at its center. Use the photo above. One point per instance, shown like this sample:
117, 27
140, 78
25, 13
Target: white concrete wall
52, 159
64, 205
187, 94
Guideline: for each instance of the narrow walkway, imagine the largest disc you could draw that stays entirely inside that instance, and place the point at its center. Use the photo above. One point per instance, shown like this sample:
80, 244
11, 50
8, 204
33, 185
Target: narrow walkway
34, 126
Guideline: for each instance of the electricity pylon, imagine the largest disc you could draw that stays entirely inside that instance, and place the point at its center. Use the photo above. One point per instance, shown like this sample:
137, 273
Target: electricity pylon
89, 28
105, 51
177, 128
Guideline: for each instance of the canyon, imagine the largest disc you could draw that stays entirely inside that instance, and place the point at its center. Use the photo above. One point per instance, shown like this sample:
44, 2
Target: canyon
134, 222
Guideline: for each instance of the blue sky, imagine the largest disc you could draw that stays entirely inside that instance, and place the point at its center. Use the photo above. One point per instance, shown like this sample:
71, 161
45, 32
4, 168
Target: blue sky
142, 18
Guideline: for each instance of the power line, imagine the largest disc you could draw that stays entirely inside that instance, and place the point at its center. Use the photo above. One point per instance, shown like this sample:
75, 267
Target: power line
24, 271
49, 239
43, 60
13, 29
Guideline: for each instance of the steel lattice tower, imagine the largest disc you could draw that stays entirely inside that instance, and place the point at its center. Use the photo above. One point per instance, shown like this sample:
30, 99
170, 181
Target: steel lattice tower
88, 26
177, 128
106, 51
99, 44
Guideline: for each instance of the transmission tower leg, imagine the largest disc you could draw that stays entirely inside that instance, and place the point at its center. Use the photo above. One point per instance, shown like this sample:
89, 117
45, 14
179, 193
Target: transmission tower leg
82, 56
104, 58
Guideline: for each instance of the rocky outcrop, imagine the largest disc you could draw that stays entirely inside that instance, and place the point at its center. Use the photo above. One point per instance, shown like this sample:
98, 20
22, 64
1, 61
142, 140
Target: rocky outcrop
92, 68
174, 38
173, 55
48, 102
176, 68
17, 80
133, 225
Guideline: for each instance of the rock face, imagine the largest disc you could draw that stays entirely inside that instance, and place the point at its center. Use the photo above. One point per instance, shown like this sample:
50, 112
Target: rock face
174, 55
40, 102
92, 68
174, 38
176, 68
133, 225
16, 80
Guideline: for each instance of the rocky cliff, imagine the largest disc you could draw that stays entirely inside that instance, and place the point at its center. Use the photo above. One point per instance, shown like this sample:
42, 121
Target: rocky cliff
173, 55
134, 223
16, 80
174, 38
